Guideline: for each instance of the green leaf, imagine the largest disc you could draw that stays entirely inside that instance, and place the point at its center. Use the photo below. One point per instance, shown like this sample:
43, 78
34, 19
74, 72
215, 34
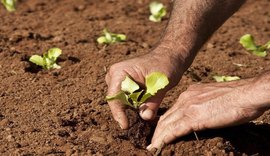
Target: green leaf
135, 98
121, 37
145, 97
247, 42
259, 53
120, 96
54, 53
9, 5
109, 37
131, 94
102, 40
155, 81
158, 11
128, 85
154, 18
267, 45
48, 60
38, 60
226, 78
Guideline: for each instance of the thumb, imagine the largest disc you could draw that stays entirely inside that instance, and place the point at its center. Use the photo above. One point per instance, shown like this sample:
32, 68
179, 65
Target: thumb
148, 110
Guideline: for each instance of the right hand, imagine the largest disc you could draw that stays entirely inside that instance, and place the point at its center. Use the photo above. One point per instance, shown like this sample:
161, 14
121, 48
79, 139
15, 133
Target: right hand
137, 69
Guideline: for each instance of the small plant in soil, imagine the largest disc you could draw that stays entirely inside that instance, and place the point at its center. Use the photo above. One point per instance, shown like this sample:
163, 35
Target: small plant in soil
133, 95
226, 78
109, 38
158, 11
9, 4
248, 42
48, 61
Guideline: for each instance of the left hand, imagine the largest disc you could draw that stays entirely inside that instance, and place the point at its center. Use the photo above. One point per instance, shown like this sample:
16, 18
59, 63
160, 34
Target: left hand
208, 106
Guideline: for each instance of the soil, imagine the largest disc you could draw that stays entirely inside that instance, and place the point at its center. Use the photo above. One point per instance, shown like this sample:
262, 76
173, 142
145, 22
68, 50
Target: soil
63, 112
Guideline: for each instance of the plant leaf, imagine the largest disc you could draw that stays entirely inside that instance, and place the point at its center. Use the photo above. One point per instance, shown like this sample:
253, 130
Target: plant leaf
157, 10
247, 42
128, 85
9, 5
102, 40
259, 53
54, 53
267, 45
154, 18
38, 60
155, 81
226, 78
155, 7
121, 37
135, 98
145, 97
120, 96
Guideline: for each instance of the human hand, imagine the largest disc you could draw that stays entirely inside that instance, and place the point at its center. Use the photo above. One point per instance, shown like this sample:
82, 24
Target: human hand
137, 69
209, 106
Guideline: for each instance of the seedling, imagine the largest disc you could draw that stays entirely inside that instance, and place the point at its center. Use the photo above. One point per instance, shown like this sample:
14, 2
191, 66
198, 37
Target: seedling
48, 61
109, 38
158, 11
248, 42
226, 78
9, 4
133, 95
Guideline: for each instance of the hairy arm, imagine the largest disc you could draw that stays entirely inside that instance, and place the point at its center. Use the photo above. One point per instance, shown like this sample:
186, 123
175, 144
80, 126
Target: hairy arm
191, 24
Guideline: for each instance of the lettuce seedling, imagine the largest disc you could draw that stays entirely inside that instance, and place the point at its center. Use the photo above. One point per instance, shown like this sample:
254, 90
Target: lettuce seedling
158, 11
9, 4
108, 37
226, 78
133, 95
48, 61
248, 42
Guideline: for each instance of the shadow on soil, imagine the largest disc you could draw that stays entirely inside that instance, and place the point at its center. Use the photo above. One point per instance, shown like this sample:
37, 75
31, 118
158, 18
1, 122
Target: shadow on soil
248, 138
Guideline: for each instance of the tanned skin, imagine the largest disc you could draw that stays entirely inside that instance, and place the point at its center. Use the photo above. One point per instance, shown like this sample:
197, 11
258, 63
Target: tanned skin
204, 106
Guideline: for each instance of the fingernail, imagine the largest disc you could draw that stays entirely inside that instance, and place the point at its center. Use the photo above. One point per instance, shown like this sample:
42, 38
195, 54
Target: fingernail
147, 114
149, 147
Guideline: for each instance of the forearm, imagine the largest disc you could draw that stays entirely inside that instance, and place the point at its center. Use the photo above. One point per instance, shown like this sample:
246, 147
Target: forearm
192, 23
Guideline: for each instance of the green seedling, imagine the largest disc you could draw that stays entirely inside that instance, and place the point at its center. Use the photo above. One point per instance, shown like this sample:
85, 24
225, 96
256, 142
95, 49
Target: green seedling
48, 61
226, 78
158, 11
248, 42
109, 38
9, 4
133, 95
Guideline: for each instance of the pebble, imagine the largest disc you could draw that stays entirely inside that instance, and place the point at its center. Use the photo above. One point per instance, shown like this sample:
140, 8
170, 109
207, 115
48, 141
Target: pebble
104, 128
4, 123
210, 46
10, 138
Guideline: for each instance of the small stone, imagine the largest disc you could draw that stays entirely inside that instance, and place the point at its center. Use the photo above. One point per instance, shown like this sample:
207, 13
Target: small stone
57, 39
145, 45
104, 128
10, 138
4, 122
210, 46
79, 8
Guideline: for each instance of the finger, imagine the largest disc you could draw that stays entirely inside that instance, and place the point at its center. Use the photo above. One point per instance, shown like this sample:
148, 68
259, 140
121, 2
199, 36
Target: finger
117, 108
169, 133
148, 110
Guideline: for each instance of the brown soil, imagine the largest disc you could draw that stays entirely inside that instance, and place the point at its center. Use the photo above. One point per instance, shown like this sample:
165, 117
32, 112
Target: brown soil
63, 112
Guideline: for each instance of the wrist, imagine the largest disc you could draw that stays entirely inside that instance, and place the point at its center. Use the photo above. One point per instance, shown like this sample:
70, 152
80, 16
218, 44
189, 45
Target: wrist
173, 54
